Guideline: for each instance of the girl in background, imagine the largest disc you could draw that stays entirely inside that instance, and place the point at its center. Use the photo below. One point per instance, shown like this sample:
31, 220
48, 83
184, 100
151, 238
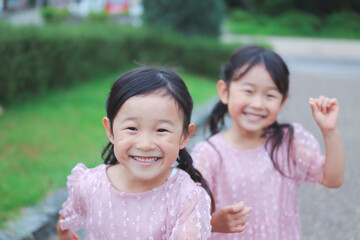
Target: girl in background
258, 161
138, 193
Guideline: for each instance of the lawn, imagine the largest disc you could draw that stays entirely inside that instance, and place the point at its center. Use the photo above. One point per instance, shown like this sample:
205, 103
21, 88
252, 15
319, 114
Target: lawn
42, 139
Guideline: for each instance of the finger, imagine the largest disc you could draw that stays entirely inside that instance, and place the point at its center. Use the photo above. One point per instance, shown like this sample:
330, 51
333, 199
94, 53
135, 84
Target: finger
244, 212
236, 208
325, 104
239, 228
242, 220
320, 102
75, 236
333, 102
312, 103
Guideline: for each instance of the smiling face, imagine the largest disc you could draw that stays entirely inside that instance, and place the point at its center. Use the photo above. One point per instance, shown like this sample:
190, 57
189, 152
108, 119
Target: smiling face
253, 101
147, 134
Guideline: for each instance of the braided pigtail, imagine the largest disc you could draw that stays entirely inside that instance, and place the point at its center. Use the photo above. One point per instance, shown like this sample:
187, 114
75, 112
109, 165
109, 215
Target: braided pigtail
185, 162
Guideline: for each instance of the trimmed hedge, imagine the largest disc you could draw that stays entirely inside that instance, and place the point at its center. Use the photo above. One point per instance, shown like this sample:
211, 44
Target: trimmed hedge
34, 59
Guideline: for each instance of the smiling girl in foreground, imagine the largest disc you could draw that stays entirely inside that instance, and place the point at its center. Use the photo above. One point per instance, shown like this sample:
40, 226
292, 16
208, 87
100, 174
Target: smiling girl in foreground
258, 161
137, 193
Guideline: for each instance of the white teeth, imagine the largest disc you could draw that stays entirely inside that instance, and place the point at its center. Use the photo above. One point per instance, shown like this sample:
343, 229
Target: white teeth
145, 159
254, 117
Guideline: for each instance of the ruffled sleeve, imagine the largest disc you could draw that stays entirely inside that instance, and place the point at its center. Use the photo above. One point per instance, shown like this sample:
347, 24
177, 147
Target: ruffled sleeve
207, 161
73, 210
309, 161
194, 220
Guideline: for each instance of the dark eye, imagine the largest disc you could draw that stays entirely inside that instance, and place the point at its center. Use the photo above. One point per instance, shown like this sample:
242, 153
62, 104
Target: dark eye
132, 128
162, 130
270, 96
247, 91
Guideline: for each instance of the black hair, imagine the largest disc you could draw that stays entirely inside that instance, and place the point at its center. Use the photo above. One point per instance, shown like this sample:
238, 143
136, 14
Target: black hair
147, 80
248, 57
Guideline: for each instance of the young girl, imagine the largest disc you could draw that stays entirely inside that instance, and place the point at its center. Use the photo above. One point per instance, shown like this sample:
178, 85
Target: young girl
258, 161
138, 193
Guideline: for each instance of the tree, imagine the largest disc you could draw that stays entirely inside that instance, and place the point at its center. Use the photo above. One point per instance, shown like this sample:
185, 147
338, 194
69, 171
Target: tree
186, 16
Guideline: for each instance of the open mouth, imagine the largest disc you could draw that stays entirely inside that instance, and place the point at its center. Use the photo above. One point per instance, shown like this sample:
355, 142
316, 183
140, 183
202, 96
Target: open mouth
145, 159
254, 116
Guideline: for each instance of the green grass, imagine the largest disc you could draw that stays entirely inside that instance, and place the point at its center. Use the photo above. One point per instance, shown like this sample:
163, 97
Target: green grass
42, 140
344, 25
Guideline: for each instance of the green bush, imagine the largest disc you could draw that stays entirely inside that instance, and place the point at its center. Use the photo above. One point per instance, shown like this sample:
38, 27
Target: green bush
186, 16
100, 17
239, 15
54, 15
348, 21
271, 7
300, 22
41, 58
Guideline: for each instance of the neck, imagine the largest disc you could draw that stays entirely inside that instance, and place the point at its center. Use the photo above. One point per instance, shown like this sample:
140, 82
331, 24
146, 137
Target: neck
243, 140
122, 181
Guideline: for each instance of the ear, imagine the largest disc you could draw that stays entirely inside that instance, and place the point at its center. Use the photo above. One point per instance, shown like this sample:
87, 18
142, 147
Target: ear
186, 138
223, 91
284, 100
107, 126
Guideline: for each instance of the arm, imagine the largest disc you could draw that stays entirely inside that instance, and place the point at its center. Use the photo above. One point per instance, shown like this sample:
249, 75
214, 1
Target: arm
66, 234
193, 221
325, 112
230, 219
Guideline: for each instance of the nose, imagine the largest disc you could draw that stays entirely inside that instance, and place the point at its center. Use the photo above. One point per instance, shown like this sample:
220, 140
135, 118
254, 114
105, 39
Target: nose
145, 142
257, 102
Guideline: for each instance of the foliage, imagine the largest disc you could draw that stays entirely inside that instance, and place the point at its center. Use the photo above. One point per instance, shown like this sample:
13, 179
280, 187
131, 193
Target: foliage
347, 23
302, 22
186, 16
275, 7
100, 17
271, 7
54, 15
342, 24
48, 57
326, 7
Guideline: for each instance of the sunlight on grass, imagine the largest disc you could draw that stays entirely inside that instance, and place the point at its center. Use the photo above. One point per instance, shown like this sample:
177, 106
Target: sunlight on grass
42, 140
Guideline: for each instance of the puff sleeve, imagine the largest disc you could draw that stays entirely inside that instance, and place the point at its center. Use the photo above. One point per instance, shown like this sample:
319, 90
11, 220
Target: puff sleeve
207, 161
307, 153
73, 210
193, 222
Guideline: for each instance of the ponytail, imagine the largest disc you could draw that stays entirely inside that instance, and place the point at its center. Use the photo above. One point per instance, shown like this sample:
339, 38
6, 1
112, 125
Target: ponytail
186, 163
108, 154
216, 118
275, 135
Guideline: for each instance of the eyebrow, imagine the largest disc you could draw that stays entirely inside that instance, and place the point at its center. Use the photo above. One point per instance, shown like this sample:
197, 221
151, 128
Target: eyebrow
160, 120
251, 84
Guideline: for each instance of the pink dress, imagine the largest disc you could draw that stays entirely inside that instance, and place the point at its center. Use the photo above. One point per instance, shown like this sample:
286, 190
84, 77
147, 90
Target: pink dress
249, 176
178, 209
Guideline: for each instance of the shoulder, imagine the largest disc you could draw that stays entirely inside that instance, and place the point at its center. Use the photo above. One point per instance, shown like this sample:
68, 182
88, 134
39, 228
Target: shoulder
304, 137
210, 146
188, 189
80, 173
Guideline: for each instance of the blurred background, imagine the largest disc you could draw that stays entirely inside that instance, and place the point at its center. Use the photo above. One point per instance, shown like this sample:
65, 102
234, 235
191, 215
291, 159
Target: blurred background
58, 59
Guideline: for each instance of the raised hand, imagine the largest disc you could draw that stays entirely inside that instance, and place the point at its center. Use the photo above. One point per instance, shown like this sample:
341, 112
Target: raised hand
325, 112
230, 219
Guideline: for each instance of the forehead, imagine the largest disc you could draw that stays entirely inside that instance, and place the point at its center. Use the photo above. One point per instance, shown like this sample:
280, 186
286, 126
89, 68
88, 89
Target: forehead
152, 105
256, 75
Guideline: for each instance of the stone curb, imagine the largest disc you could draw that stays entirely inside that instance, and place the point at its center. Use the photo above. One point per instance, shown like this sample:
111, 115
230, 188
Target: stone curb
39, 222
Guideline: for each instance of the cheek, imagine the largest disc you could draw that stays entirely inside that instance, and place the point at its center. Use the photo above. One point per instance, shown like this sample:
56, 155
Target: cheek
275, 109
